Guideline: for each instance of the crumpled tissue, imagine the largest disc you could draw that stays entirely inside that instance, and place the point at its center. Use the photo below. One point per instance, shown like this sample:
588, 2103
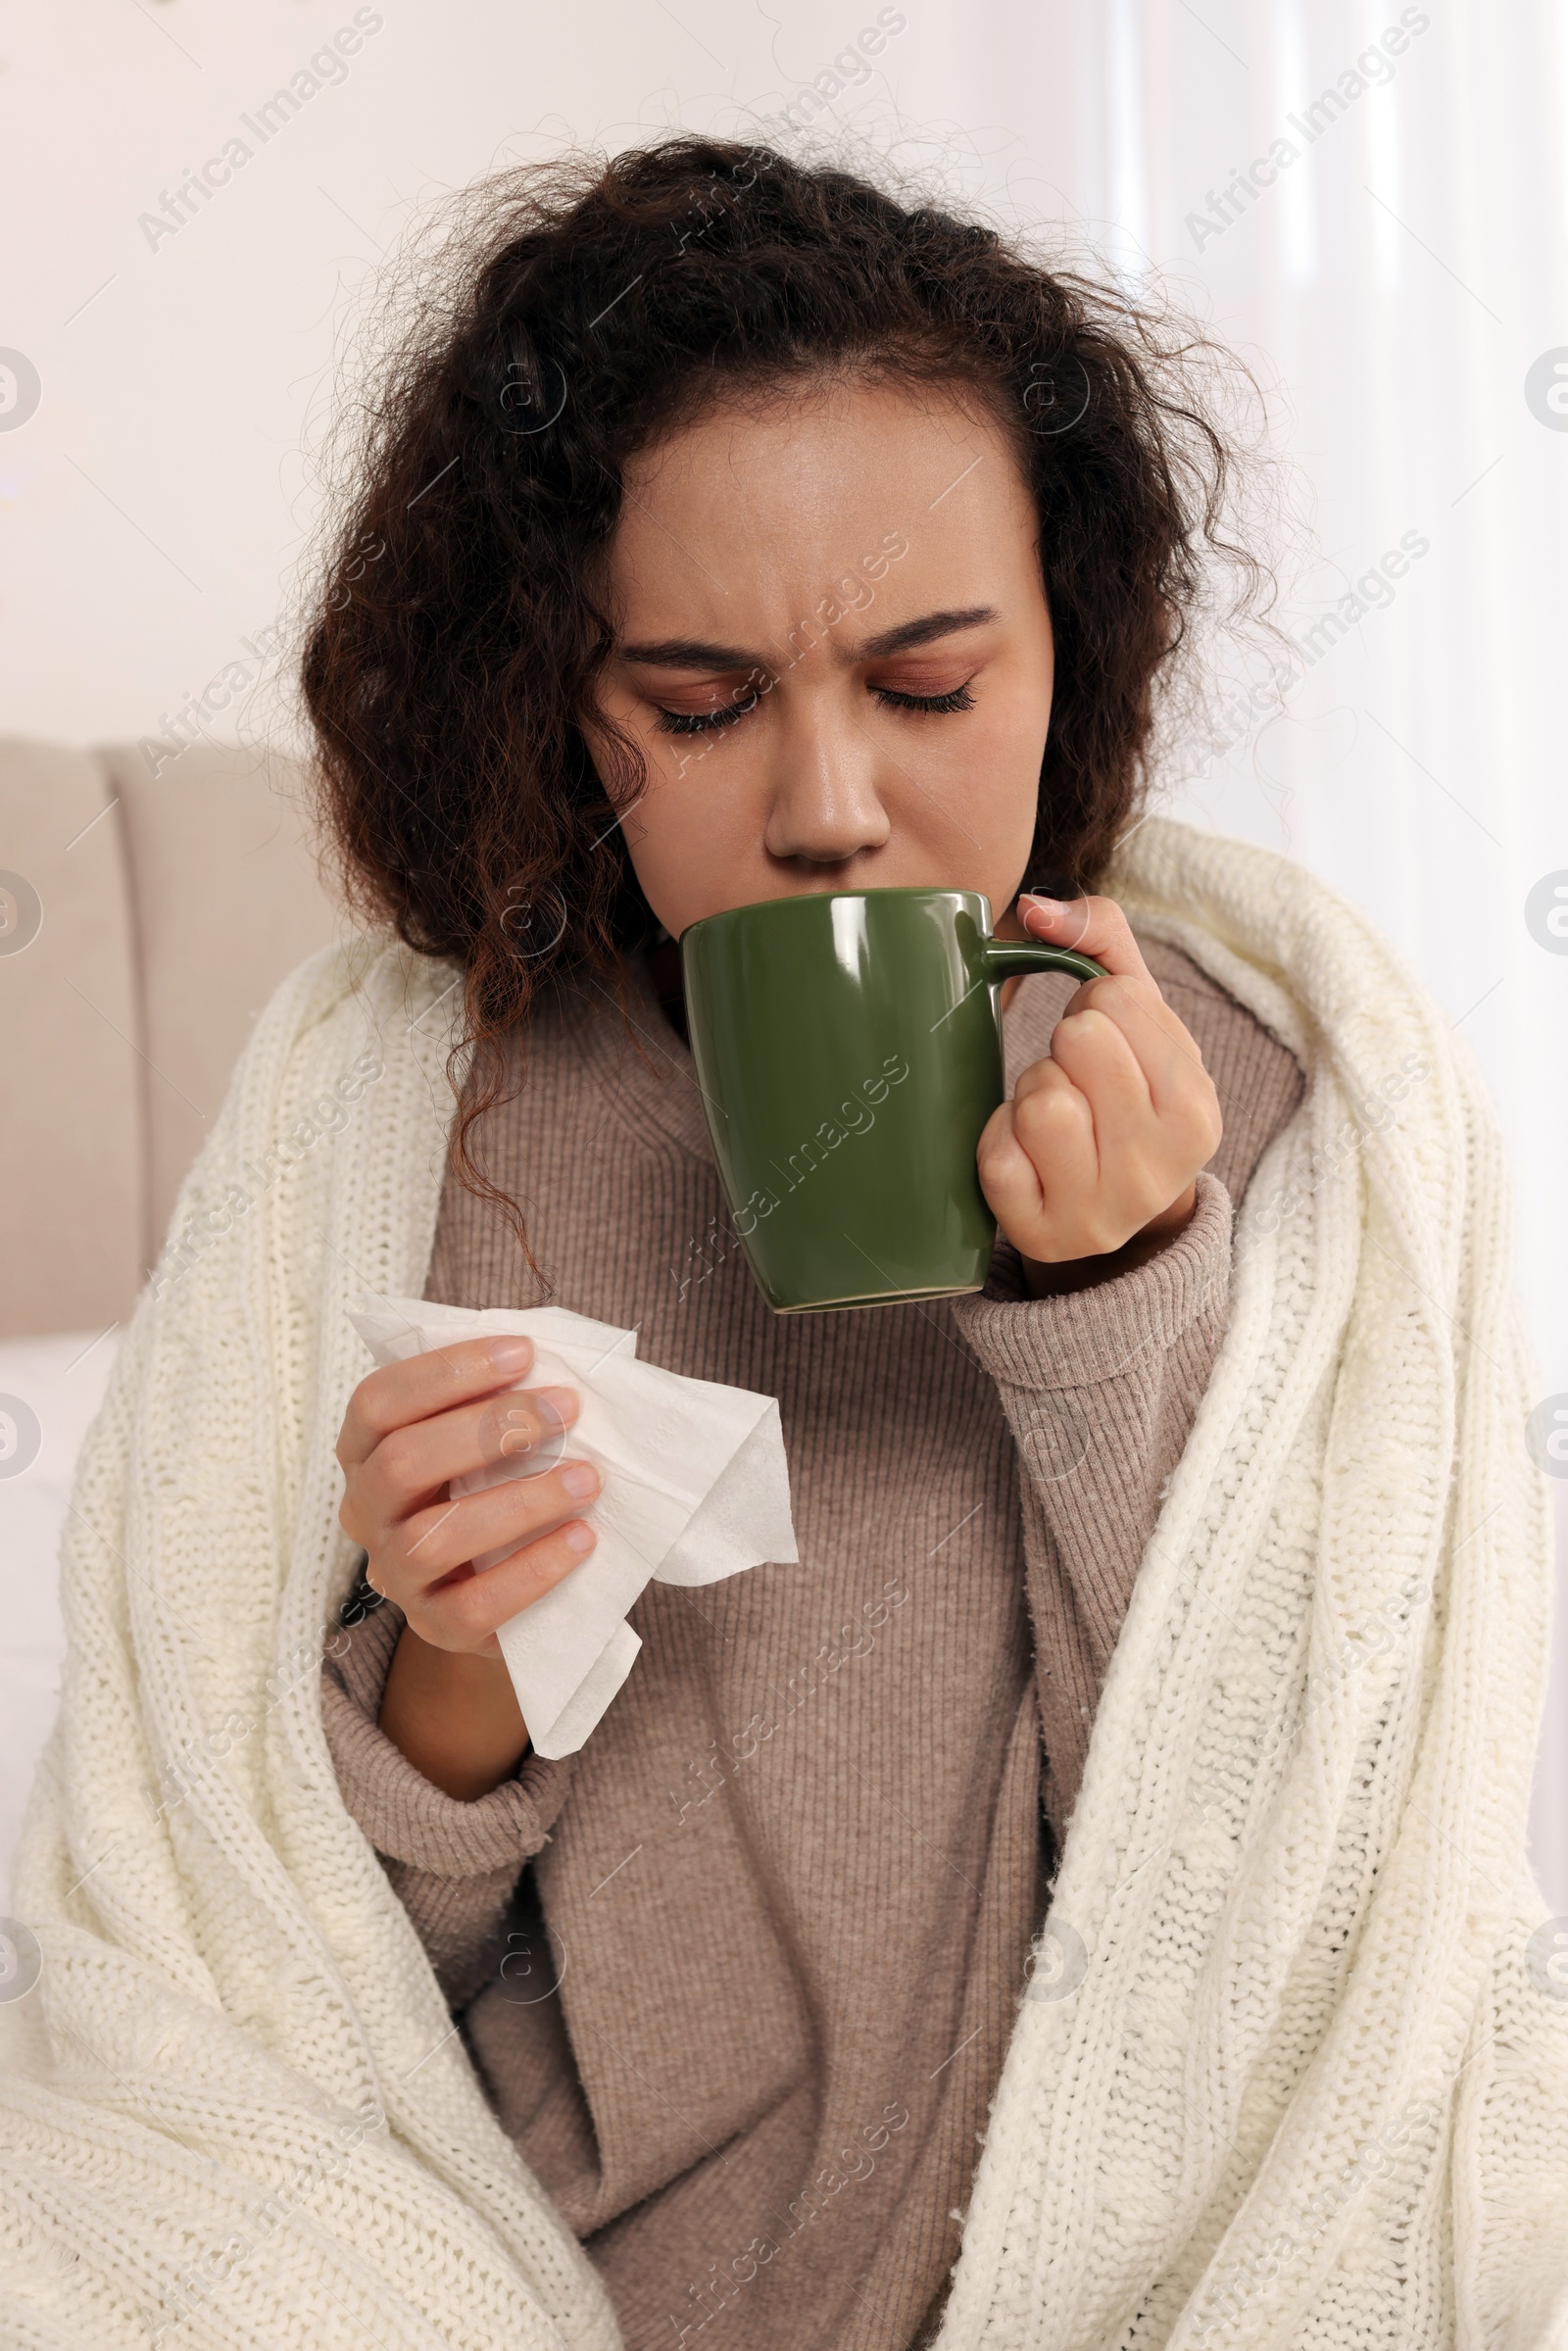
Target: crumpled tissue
696, 1487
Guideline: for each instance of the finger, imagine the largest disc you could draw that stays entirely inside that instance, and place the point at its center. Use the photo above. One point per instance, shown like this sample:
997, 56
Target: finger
1146, 1152
1093, 1052
1177, 1085
467, 1612
1095, 926
1165, 1048
450, 1535
421, 1385
413, 1463
1023, 1181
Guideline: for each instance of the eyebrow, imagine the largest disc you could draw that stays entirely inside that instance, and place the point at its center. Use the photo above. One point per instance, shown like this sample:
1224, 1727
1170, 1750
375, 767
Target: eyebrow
694, 652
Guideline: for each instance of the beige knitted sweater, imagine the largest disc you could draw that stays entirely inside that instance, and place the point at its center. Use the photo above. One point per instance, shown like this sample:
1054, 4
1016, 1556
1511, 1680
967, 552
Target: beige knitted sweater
740, 1976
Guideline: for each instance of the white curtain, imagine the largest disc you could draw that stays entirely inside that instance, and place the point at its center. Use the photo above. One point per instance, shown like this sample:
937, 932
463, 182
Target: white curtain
1370, 202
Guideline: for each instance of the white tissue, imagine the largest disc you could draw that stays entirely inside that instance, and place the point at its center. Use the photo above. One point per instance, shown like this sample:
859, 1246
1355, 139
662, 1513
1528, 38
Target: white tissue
696, 1487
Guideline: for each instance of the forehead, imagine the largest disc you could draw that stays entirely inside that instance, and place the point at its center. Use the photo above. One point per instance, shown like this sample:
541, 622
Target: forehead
765, 497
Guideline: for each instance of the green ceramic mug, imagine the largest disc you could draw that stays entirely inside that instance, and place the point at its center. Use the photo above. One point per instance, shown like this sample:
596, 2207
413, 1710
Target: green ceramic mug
849, 1048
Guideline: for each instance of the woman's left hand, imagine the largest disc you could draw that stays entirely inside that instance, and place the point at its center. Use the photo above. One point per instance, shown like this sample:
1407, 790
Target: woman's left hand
1101, 1145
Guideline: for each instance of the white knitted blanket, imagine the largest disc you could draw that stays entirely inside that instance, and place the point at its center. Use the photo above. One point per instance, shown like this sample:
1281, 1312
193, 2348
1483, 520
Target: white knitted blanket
1291, 2069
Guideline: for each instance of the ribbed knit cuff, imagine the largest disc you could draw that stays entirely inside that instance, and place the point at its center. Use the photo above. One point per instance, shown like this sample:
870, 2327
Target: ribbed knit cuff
1088, 1336
404, 1815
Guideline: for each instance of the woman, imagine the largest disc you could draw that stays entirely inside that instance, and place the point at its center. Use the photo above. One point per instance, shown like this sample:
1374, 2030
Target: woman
833, 667
741, 532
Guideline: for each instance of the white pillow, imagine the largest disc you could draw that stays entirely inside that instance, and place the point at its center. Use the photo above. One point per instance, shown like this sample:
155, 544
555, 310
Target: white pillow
49, 1390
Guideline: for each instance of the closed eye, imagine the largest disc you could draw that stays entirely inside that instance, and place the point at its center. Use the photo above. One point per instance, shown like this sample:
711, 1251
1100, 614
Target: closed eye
961, 698
701, 722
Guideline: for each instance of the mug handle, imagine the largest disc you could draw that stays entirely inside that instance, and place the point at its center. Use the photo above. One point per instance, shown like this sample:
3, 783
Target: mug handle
1006, 958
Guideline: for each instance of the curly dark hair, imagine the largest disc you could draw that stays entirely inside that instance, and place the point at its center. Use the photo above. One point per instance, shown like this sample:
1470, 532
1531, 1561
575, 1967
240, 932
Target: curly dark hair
455, 629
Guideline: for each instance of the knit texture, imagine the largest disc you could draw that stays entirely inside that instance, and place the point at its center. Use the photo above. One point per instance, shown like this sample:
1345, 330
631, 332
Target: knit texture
1283, 2074
842, 1754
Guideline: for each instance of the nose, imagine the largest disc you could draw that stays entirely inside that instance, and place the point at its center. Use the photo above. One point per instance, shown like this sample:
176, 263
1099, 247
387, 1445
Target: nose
824, 804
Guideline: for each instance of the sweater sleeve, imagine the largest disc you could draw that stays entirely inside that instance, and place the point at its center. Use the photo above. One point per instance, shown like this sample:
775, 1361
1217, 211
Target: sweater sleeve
453, 1865
1101, 1386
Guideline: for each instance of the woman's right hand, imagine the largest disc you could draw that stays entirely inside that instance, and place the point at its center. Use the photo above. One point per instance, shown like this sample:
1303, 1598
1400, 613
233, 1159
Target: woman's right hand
411, 1427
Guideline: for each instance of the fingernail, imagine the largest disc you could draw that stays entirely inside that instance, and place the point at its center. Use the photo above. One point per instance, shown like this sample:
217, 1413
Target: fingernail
510, 1356
580, 1477
553, 1405
1044, 908
577, 1537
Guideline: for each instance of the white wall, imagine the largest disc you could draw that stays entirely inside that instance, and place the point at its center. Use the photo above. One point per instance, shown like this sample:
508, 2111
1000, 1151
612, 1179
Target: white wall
1394, 287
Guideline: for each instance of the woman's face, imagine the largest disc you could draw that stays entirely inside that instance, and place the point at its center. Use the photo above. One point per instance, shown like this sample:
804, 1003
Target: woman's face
790, 586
